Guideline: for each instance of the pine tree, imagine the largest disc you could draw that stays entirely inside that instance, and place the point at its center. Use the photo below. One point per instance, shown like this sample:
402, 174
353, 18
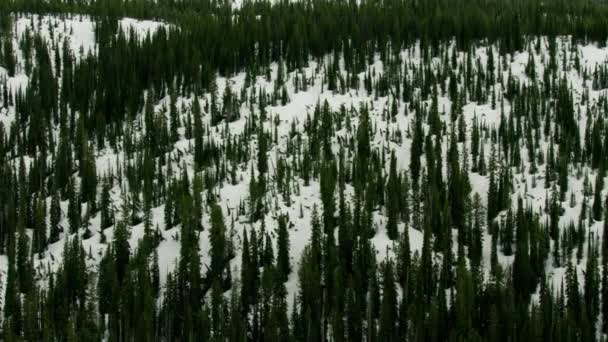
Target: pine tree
592, 284
217, 238
25, 271
9, 57
39, 241
464, 301
425, 279
523, 279
262, 151
74, 210
283, 262
476, 244
107, 217
572, 291
327, 188
55, 218
122, 250
392, 201
199, 156
155, 274
597, 197
388, 309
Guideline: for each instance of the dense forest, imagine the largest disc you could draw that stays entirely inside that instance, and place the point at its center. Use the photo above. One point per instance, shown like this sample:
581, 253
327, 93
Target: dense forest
396, 170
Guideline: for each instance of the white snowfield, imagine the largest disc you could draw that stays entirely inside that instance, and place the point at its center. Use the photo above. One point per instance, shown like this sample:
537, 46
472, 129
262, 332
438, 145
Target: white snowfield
79, 31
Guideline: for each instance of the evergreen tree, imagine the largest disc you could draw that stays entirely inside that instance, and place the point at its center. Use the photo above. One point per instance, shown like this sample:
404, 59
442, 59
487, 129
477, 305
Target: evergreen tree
55, 213
217, 238
283, 262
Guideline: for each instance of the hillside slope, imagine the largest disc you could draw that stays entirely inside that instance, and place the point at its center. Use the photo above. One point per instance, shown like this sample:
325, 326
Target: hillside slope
503, 127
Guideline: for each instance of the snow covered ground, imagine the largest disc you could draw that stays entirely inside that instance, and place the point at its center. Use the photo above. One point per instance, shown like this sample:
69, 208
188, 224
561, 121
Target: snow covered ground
79, 32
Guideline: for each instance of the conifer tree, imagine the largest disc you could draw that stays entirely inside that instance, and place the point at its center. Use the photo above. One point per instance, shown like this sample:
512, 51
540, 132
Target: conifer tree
283, 246
217, 237
55, 218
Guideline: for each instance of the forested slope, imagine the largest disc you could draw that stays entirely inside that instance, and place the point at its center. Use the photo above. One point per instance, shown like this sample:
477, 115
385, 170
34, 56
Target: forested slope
306, 171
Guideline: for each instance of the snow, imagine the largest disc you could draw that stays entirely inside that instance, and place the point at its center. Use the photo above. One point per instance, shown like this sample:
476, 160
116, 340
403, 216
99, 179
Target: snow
141, 27
79, 31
